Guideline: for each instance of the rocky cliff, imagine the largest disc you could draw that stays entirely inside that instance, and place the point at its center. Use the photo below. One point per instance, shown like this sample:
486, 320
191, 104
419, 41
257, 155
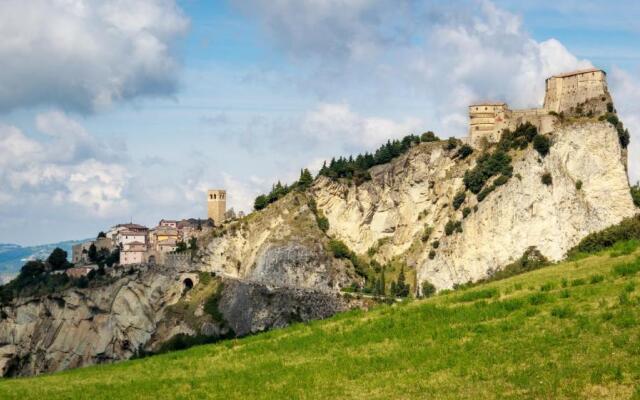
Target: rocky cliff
274, 267
413, 195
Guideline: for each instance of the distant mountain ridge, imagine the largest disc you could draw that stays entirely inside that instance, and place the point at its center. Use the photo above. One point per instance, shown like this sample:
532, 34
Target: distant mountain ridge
13, 256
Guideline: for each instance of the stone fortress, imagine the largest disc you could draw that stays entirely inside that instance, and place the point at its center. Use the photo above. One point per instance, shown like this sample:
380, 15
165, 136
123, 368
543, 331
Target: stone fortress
576, 92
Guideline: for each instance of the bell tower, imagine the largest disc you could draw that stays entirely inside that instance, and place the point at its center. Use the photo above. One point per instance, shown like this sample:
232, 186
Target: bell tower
216, 205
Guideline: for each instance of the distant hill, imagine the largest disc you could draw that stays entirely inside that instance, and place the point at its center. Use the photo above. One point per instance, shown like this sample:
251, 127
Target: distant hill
13, 256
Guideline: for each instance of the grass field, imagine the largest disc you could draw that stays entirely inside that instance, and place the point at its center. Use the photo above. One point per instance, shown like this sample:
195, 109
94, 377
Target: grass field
566, 331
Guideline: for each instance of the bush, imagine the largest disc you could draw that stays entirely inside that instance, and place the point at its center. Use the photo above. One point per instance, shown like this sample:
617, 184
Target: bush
562, 312
435, 244
429, 137
432, 254
485, 192
58, 259
477, 295
427, 233
498, 162
452, 226
635, 194
530, 260
339, 249
428, 289
452, 143
547, 179
501, 180
465, 151
593, 279
627, 269
458, 199
626, 230
542, 144
211, 305
578, 185
465, 212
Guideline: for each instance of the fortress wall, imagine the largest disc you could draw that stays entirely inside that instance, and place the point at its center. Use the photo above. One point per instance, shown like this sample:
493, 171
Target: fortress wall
567, 91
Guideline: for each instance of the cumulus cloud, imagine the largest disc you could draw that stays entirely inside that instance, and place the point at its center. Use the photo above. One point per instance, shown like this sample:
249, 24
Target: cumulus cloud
84, 55
625, 89
59, 167
337, 122
440, 55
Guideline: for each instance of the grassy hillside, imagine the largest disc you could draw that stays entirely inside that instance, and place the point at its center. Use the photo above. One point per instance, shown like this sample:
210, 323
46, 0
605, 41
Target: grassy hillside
566, 331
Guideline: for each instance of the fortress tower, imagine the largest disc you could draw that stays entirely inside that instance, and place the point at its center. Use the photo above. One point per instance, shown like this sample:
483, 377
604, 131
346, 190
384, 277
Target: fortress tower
580, 93
216, 205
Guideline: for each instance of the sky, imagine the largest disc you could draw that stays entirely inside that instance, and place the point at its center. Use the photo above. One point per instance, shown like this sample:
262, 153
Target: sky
117, 111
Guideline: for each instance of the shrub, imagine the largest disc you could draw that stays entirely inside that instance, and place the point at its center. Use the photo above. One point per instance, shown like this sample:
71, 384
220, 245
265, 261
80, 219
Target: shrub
477, 295
58, 259
635, 194
465, 212
593, 279
452, 226
578, 282
458, 199
452, 143
435, 244
427, 233
547, 179
542, 144
211, 305
465, 151
624, 248
626, 230
562, 312
530, 260
428, 289
432, 254
501, 180
339, 249
627, 269
429, 137
538, 298
485, 192
487, 166
546, 287
578, 185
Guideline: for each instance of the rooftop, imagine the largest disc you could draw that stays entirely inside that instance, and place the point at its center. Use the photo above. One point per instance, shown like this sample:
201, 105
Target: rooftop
578, 72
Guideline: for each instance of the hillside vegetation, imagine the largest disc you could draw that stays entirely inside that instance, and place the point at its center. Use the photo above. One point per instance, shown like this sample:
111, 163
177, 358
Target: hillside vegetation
565, 331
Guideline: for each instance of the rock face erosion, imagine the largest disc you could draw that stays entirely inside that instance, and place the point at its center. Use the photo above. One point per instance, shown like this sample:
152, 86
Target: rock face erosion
413, 195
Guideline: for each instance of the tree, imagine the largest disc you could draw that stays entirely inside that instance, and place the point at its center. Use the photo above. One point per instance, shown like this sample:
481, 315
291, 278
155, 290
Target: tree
401, 287
93, 253
459, 199
260, 202
635, 194
58, 259
542, 144
428, 289
306, 179
547, 179
102, 235
181, 246
193, 243
429, 137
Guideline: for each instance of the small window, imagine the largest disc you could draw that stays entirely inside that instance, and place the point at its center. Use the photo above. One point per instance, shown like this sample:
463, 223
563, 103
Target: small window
210, 197
485, 108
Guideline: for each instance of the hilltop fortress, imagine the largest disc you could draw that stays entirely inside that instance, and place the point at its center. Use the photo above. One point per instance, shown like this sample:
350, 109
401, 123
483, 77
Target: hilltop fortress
576, 92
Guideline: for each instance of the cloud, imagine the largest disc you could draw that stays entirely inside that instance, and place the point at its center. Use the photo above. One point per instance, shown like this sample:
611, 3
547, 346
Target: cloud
625, 90
60, 167
337, 122
393, 52
83, 55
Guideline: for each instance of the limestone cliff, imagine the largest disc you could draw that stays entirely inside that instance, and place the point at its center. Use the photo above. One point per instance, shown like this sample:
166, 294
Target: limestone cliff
415, 192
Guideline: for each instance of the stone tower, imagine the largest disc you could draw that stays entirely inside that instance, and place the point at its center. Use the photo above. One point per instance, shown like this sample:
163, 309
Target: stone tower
216, 205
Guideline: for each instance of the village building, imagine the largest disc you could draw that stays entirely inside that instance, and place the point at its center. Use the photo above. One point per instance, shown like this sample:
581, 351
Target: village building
78, 272
133, 253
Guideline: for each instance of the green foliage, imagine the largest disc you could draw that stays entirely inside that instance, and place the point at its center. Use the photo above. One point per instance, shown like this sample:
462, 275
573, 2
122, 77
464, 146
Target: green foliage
635, 194
306, 179
102, 235
477, 295
211, 305
277, 192
321, 220
93, 253
428, 289
562, 311
58, 259
623, 134
452, 226
432, 254
578, 184
357, 168
626, 230
485, 192
546, 179
452, 143
593, 279
530, 260
400, 288
465, 212
435, 244
542, 144
464, 151
458, 199
624, 247
496, 163
339, 249
518, 139
627, 269
428, 230
181, 247
429, 137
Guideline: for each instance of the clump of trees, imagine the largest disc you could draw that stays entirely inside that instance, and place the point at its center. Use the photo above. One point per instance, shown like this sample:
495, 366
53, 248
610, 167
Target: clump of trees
279, 190
488, 165
547, 179
428, 289
103, 256
623, 134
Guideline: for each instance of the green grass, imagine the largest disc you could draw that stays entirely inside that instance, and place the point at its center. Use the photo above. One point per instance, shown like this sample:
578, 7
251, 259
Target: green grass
566, 331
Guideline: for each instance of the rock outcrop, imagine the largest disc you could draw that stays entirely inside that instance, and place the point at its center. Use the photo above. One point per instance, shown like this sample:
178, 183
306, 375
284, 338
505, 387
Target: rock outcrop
412, 196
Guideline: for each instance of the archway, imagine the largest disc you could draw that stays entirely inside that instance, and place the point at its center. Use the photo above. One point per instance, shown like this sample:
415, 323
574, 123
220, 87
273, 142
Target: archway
188, 284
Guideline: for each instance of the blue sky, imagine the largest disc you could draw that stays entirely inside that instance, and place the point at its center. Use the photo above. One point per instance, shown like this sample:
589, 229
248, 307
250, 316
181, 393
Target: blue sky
111, 112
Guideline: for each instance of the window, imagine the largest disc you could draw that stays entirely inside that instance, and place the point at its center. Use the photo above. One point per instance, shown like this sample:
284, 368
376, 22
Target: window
210, 197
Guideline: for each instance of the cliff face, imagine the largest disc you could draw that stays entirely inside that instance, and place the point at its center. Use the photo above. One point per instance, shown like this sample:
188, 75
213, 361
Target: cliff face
415, 192
273, 267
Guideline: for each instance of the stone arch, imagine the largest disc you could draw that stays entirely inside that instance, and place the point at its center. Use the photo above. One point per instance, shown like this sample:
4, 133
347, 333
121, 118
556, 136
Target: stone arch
188, 283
